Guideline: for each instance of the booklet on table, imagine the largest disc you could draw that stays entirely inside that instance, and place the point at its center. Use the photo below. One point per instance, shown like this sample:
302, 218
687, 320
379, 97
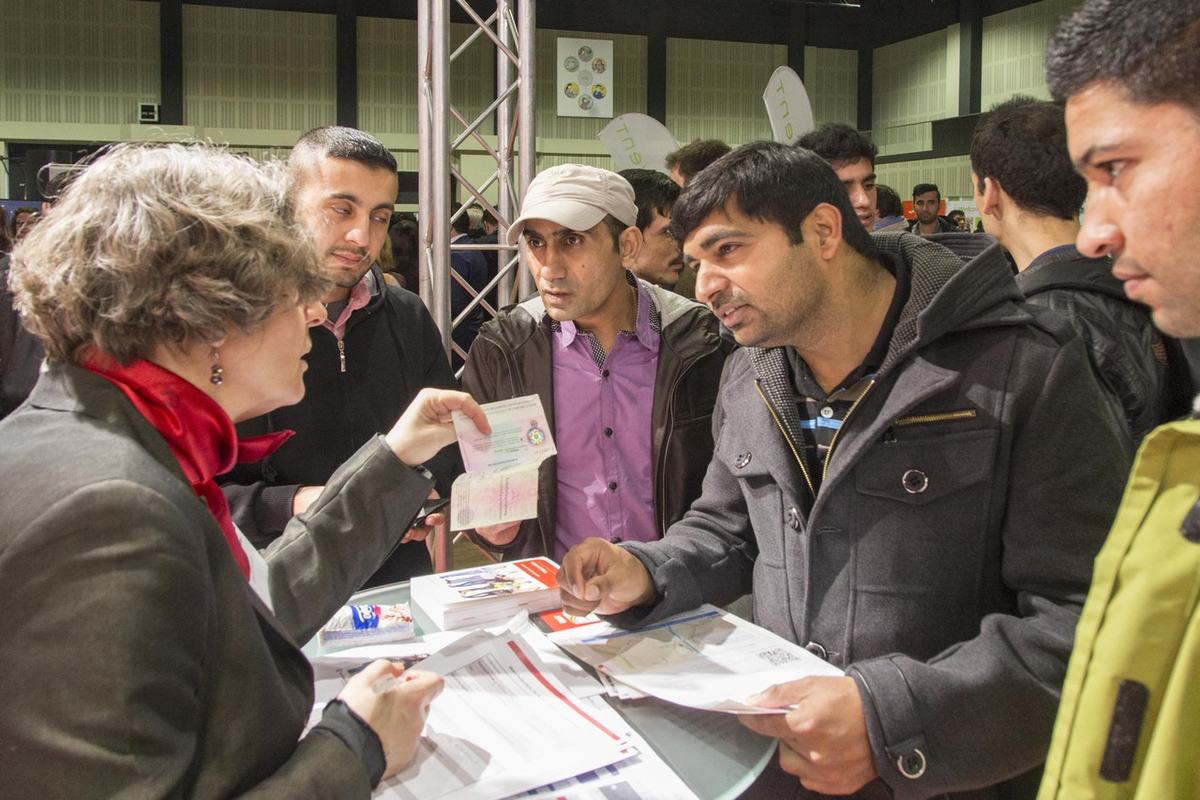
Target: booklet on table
482, 595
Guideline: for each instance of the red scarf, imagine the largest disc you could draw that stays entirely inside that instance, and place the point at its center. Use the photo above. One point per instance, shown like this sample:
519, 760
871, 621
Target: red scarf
198, 431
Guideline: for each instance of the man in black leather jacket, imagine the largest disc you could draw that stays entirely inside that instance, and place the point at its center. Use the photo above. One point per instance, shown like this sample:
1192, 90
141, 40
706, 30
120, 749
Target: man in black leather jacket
1029, 196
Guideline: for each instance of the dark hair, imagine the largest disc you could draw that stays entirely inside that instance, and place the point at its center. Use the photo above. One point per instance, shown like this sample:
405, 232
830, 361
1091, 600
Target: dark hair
12, 223
1022, 143
922, 188
652, 191
405, 257
462, 223
616, 228
770, 182
335, 141
1151, 48
888, 202
956, 213
692, 158
838, 144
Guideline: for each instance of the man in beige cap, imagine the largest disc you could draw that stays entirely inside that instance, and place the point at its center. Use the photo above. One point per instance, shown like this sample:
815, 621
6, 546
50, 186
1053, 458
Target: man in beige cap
626, 371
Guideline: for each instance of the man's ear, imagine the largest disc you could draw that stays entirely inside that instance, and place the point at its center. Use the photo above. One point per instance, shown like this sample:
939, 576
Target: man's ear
993, 198
630, 244
822, 228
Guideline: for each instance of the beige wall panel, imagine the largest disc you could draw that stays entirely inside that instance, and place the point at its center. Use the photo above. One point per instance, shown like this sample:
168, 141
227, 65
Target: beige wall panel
1014, 45
547, 160
78, 61
910, 81
406, 160
714, 89
263, 153
270, 70
388, 80
831, 78
628, 89
478, 169
952, 176
387, 75
388, 90
915, 138
472, 78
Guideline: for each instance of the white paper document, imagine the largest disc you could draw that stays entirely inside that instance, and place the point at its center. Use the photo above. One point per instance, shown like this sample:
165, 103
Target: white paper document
503, 725
643, 775
331, 672
500, 482
704, 659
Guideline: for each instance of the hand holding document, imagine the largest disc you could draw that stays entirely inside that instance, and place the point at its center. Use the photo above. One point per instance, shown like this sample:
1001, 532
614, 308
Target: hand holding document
704, 659
500, 482
503, 724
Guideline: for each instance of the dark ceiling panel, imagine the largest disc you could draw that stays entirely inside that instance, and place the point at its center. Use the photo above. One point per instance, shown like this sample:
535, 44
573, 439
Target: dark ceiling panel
874, 24
878, 22
755, 21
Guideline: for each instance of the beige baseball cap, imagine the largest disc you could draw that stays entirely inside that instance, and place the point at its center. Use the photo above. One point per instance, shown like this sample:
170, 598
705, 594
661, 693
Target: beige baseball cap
575, 196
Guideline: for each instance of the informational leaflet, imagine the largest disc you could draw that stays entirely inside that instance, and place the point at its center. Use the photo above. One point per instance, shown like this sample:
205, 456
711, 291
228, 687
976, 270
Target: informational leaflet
502, 726
487, 594
704, 659
331, 672
641, 775
500, 482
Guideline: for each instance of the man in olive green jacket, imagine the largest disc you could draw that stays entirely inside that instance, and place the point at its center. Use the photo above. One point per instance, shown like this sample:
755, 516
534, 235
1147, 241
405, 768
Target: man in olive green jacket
1129, 723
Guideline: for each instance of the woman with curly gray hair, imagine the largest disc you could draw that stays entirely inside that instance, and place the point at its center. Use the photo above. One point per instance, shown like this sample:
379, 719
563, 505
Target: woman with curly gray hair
149, 649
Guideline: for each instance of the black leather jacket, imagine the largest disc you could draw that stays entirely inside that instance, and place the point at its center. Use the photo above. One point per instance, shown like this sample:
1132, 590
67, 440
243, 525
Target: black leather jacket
391, 350
512, 357
1128, 354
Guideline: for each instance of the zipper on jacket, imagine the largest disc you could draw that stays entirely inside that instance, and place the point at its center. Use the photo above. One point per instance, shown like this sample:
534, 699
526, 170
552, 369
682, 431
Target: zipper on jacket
342, 354
838, 432
787, 438
921, 419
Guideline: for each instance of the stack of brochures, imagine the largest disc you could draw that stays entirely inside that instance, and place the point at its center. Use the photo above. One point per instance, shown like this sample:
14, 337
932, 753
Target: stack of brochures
484, 595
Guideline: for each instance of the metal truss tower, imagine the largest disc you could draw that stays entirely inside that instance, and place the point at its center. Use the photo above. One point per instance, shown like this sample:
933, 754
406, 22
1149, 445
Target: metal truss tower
442, 130
511, 30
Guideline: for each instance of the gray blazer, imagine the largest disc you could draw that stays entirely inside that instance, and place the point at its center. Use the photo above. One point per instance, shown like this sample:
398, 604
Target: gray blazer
137, 661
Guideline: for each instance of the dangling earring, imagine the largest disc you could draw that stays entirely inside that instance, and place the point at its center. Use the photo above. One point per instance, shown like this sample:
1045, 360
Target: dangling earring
217, 373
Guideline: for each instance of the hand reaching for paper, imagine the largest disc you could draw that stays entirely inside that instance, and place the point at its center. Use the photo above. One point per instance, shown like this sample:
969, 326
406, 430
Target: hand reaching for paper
823, 740
597, 576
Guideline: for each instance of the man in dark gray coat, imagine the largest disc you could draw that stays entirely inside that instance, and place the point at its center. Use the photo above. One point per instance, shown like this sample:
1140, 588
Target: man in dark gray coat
913, 471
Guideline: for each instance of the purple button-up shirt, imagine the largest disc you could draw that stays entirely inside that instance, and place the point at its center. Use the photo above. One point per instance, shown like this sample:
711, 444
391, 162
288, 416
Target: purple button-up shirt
602, 409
